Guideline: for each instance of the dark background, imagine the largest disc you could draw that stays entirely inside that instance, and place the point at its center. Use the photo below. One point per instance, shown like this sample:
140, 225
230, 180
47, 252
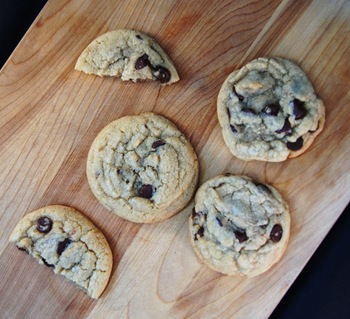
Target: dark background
322, 290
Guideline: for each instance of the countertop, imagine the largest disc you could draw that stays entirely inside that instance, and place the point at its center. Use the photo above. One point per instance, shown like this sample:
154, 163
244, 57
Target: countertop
322, 290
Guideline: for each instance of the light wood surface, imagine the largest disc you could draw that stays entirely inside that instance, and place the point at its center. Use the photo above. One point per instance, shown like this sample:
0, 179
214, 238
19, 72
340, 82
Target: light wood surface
50, 114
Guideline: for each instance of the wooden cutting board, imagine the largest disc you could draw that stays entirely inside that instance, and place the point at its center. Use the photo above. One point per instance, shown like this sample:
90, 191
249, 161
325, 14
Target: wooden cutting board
50, 114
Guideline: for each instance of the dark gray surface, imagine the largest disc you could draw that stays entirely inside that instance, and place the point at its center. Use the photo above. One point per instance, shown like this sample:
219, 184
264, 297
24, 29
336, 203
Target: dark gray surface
322, 290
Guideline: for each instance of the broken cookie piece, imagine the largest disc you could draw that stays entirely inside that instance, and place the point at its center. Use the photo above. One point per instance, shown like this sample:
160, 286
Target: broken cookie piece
129, 54
239, 227
62, 238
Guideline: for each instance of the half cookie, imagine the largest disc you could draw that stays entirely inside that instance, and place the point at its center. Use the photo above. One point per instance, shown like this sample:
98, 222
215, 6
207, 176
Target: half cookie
239, 227
142, 168
129, 54
62, 238
269, 111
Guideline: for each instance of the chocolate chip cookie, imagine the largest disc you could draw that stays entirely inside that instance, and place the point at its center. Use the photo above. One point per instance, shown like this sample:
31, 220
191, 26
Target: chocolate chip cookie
62, 238
129, 54
142, 168
269, 111
239, 227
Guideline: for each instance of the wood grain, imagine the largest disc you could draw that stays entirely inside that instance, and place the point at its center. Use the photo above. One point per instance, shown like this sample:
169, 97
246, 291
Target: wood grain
50, 114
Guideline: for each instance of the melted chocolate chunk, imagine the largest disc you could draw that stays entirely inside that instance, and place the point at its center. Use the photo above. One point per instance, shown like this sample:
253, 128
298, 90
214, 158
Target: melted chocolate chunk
248, 110
241, 235
271, 109
142, 62
44, 224
161, 74
158, 143
233, 129
297, 145
47, 264
263, 188
276, 233
299, 110
200, 233
61, 247
146, 191
287, 128
228, 113
219, 221
240, 97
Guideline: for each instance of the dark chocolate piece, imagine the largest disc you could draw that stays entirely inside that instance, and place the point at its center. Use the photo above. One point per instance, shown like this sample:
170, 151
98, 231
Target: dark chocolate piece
297, 145
61, 247
146, 191
276, 233
44, 224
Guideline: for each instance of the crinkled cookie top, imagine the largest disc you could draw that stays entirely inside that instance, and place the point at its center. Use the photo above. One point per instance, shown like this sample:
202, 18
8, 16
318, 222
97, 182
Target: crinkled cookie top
238, 226
269, 111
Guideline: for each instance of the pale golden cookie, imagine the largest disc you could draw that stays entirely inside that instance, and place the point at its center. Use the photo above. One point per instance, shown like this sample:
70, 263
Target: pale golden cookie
142, 168
62, 238
239, 227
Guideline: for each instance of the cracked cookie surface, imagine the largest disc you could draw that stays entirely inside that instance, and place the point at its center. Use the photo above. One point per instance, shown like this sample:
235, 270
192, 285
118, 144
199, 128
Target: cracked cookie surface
269, 111
142, 168
239, 227
62, 238
129, 54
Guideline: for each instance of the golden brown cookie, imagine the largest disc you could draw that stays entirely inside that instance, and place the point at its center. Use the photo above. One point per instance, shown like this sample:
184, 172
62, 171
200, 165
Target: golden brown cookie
269, 111
239, 227
62, 238
131, 55
142, 168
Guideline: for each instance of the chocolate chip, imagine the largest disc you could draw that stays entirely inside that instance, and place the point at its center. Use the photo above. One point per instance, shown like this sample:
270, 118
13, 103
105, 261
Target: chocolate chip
297, 145
299, 110
194, 214
138, 36
241, 235
146, 191
158, 143
271, 109
287, 128
142, 62
248, 110
219, 221
47, 264
161, 74
240, 97
263, 188
61, 247
44, 224
228, 112
276, 233
233, 129
200, 233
